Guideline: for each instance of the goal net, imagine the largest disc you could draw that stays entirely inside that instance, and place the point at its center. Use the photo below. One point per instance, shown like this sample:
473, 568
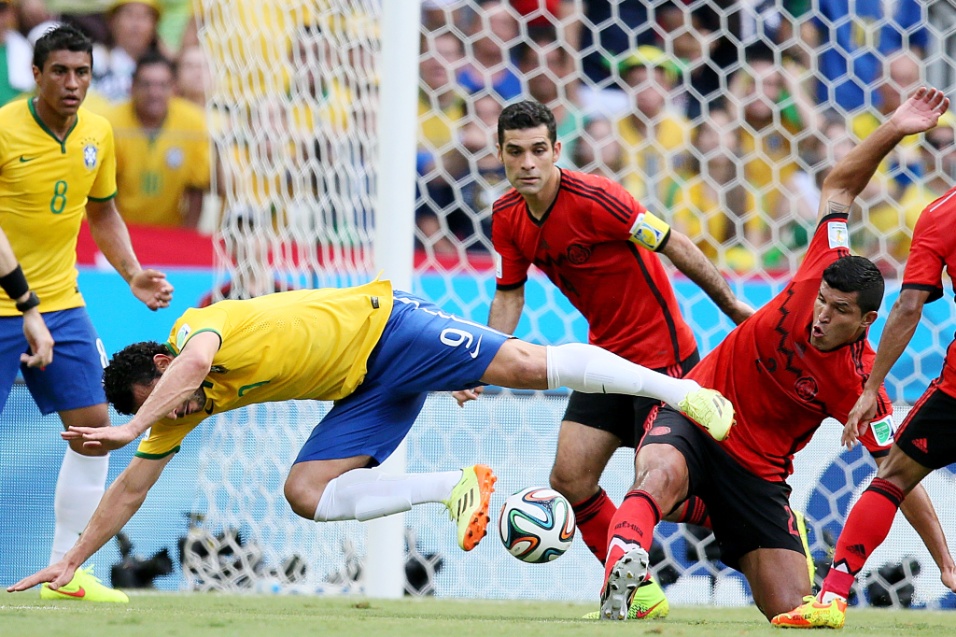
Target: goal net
722, 117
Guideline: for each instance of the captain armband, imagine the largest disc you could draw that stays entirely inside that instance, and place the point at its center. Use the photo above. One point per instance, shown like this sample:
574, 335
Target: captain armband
650, 232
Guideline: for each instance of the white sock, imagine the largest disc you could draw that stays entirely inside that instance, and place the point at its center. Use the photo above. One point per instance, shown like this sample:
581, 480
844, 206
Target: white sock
79, 488
366, 494
592, 370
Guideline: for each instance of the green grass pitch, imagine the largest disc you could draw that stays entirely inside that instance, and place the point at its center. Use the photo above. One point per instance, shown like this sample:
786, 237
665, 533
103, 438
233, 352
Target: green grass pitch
200, 615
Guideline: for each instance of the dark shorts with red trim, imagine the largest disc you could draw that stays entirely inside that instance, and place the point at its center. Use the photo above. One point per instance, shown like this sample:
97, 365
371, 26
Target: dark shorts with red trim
618, 414
928, 434
746, 511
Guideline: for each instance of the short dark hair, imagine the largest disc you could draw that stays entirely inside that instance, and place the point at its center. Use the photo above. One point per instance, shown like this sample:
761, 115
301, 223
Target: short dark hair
153, 57
857, 274
132, 365
524, 115
64, 37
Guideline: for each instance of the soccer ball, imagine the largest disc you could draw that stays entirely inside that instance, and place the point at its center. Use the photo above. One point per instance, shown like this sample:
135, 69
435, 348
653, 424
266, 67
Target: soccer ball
536, 525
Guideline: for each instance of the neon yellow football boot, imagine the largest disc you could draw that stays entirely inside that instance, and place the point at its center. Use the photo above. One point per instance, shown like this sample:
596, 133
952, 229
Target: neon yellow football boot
648, 602
85, 587
468, 504
709, 409
813, 614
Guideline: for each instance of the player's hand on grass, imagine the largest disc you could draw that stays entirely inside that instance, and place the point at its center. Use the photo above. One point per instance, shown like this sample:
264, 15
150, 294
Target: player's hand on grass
464, 395
152, 288
39, 339
109, 438
860, 416
59, 574
948, 576
921, 111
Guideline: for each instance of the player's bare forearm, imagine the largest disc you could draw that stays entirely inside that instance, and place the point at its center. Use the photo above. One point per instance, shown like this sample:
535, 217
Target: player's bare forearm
850, 175
505, 310
112, 237
921, 515
688, 258
123, 499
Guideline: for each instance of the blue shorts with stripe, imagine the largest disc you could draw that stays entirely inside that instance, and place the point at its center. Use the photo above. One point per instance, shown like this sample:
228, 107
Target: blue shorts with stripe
422, 349
75, 377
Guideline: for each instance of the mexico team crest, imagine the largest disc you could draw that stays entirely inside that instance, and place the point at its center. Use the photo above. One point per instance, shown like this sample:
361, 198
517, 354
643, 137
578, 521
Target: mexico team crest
89, 156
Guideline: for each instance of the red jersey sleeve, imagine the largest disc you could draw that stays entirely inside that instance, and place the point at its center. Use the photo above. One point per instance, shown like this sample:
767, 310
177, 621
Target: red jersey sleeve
928, 253
511, 266
830, 242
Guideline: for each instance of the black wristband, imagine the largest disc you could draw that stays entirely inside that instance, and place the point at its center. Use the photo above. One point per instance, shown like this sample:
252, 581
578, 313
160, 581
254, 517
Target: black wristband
14, 283
32, 301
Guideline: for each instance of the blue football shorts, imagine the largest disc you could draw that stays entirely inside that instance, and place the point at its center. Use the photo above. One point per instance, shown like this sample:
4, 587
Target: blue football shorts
422, 349
75, 377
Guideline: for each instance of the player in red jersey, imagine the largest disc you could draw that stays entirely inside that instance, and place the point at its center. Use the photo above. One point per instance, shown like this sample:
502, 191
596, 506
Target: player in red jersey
596, 243
799, 359
925, 441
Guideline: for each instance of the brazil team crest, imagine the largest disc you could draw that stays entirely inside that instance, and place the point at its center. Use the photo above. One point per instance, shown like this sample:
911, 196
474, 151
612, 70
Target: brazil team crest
89, 156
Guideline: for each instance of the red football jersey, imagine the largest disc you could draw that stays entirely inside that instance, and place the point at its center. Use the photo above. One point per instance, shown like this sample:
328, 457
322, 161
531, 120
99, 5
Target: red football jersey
933, 249
595, 244
781, 386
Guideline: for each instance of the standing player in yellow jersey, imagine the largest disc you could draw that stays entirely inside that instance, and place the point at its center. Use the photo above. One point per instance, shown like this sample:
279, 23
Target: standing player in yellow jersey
57, 164
376, 353
162, 150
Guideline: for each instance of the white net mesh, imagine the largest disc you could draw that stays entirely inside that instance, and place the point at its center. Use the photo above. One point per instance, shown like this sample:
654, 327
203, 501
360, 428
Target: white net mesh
722, 117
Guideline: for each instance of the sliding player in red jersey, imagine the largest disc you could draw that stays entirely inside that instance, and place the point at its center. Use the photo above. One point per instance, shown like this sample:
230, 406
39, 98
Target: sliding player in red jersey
798, 360
925, 441
596, 243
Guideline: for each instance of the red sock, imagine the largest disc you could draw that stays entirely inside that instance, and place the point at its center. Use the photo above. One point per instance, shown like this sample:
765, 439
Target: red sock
695, 512
593, 518
866, 527
633, 523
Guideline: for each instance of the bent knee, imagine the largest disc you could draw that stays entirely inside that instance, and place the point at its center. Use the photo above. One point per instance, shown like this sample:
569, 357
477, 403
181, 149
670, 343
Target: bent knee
661, 470
303, 498
576, 487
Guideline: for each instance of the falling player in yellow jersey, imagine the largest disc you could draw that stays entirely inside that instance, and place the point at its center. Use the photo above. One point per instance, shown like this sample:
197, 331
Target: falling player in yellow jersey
376, 353
57, 164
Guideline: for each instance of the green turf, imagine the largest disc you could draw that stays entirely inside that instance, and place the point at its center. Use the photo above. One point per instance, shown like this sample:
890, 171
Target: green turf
169, 615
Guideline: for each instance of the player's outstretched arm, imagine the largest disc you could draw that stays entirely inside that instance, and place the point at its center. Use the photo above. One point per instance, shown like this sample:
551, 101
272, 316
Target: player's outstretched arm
850, 176
112, 238
124, 498
688, 258
899, 329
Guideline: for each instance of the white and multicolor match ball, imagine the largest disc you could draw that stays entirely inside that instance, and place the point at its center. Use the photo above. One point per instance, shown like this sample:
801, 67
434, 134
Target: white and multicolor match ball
536, 525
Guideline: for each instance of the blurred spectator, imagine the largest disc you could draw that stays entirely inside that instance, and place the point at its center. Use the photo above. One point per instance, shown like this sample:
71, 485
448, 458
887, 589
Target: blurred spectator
609, 31
192, 75
162, 150
132, 34
484, 181
769, 108
707, 200
895, 223
441, 106
901, 75
941, 53
852, 37
597, 150
176, 19
16, 57
654, 135
547, 69
776, 23
538, 14
491, 30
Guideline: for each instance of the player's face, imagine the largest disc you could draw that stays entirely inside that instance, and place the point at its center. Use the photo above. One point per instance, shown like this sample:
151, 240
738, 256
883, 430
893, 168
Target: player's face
837, 319
529, 159
64, 80
194, 403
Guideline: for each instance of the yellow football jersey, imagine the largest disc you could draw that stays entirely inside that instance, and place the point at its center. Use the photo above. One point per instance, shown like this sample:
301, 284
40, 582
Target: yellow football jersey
304, 344
154, 169
44, 187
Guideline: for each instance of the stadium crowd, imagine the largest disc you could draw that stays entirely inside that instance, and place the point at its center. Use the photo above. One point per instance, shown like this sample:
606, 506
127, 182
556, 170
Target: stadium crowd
721, 117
